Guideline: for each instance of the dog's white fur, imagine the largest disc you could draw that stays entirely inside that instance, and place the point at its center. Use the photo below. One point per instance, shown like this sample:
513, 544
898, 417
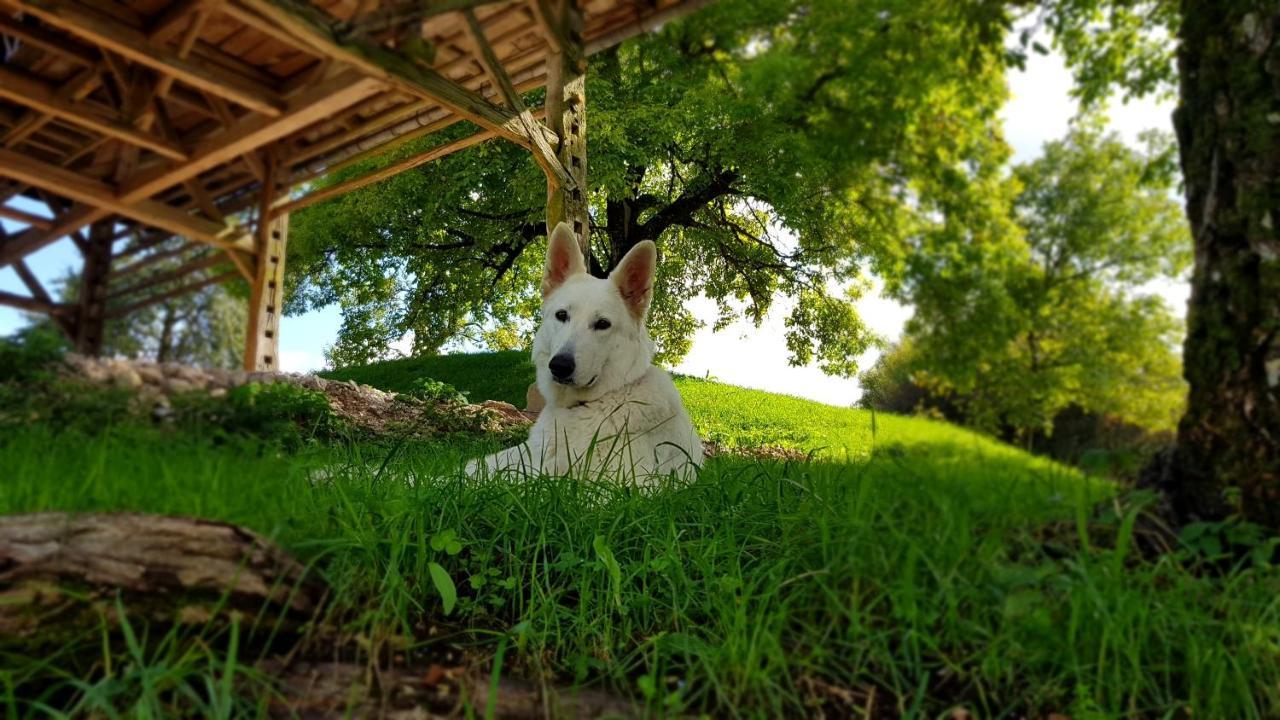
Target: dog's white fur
617, 415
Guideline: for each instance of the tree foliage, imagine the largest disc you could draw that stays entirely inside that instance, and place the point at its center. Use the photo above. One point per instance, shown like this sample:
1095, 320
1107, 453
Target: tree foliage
1052, 311
769, 147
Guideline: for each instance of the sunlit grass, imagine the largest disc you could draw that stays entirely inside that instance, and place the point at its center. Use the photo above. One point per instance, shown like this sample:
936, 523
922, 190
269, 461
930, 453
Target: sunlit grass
918, 564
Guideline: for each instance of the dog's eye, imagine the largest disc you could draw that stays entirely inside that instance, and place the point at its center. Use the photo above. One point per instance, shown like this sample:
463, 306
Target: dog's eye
562, 315
602, 324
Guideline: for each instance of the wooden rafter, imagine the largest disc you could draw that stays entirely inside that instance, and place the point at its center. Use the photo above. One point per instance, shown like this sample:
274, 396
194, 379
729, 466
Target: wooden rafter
203, 262
382, 174
170, 294
30, 304
120, 38
543, 151
47, 41
37, 96
248, 134
243, 136
34, 221
325, 35
104, 197
121, 273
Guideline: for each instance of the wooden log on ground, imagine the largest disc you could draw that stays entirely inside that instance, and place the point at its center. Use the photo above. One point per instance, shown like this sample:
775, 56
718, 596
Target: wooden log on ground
61, 574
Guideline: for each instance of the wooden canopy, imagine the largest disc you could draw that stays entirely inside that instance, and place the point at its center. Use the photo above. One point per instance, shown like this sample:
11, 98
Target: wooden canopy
142, 120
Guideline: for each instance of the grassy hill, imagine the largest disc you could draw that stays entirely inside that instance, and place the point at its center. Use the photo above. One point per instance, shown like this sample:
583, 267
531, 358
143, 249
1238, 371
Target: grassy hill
727, 414
913, 568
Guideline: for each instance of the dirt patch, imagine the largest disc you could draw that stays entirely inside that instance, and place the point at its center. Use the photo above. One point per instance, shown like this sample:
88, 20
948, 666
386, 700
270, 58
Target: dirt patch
775, 453
363, 406
324, 690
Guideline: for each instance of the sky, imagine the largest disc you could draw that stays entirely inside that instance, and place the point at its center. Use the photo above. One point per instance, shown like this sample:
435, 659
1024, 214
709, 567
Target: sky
1039, 110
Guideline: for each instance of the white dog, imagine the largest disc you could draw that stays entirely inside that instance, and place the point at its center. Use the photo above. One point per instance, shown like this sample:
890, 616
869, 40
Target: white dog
609, 411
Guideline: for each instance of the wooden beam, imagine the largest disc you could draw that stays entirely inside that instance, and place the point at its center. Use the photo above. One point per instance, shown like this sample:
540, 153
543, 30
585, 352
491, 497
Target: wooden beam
34, 239
543, 152
326, 35
29, 279
266, 291
152, 259
409, 163
79, 87
170, 294
91, 192
32, 305
118, 37
47, 41
250, 133
34, 221
384, 139
91, 302
38, 292
567, 116
23, 90
191, 267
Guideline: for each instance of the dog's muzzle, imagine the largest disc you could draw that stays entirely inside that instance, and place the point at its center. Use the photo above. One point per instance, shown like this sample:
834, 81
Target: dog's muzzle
562, 367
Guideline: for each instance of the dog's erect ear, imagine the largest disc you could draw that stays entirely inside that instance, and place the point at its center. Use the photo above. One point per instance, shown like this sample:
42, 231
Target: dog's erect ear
634, 277
564, 259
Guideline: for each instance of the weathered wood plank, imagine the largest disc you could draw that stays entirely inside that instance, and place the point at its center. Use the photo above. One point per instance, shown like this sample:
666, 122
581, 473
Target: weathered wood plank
60, 571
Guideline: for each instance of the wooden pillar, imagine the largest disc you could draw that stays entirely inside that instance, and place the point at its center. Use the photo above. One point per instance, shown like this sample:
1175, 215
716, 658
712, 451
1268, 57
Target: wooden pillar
266, 296
92, 299
567, 117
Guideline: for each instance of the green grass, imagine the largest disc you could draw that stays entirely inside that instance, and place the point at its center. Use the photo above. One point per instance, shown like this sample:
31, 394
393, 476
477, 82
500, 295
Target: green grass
934, 565
480, 376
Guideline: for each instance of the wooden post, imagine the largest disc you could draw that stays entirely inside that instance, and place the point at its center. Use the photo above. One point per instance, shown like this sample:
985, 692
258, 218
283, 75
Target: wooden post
266, 296
567, 117
92, 301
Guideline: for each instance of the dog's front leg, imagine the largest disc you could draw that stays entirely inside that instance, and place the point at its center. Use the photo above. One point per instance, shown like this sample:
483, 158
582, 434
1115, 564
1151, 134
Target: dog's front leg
521, 458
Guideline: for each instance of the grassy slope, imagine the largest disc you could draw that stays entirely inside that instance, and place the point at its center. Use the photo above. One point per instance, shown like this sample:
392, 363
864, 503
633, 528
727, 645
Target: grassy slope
936, 566
730, 415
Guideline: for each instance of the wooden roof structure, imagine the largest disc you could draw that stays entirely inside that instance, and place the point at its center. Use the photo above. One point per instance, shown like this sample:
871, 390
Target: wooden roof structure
142, 120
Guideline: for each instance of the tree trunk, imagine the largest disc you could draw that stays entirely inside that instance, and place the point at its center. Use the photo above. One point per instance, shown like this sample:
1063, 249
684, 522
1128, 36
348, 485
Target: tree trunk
624, 231
1228, 126
60, 574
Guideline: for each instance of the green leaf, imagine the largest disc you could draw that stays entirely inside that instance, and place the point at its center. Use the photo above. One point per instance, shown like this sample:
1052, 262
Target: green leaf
444, 585
605, 555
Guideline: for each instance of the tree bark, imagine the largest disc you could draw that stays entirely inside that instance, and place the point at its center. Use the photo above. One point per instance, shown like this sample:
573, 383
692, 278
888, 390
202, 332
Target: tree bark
1228, 125
60, 574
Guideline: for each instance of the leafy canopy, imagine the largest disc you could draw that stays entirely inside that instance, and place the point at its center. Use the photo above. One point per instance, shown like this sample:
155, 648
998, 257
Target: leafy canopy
1053, 311
770, 147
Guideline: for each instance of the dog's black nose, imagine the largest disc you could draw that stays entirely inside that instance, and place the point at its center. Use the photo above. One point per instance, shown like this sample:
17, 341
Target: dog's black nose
562, 366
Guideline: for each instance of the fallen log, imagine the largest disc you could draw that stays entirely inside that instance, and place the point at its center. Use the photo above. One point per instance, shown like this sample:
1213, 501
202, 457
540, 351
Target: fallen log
62, 574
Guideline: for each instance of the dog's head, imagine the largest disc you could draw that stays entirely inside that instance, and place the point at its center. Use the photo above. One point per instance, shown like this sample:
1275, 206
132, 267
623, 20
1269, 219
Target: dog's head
592, 338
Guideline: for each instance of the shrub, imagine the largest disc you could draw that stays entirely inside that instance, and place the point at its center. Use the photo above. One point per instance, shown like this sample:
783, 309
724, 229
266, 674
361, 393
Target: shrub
432, 390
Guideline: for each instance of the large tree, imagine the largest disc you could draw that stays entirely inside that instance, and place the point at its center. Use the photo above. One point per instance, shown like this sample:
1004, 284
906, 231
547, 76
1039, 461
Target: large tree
1228, 125
769, 147
1052, 310
1227, 455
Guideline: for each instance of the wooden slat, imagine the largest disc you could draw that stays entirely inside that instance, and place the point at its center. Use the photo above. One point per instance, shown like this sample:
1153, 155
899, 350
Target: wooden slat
133, 44
34, 239
36, 95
